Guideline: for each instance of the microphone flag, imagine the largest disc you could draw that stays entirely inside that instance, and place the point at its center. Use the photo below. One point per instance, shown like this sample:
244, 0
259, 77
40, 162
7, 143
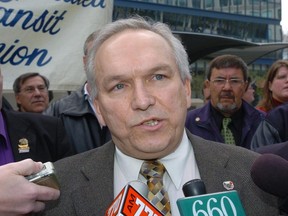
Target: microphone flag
129, 202
215, 204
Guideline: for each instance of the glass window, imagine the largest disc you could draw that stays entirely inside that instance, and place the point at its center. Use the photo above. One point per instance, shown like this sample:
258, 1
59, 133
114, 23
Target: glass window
237, 2
208, 4
196, 3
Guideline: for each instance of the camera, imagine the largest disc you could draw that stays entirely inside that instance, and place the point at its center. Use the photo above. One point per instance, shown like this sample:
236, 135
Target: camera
46, 177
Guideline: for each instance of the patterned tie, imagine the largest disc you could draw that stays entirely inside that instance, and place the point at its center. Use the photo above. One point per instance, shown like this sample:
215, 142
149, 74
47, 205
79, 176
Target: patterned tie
226, 132
153, 171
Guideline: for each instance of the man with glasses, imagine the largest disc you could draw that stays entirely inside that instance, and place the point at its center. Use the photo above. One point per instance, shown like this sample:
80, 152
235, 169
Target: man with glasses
226, 117
31, 92
29, 135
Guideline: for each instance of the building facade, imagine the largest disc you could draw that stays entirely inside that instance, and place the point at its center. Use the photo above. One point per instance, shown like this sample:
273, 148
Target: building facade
250, 20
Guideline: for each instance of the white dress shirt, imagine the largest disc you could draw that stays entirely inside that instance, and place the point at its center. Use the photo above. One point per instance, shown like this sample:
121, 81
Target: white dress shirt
180, 167
87, 95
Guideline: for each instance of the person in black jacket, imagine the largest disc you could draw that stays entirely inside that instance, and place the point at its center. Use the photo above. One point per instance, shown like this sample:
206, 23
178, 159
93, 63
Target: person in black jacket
273, 129
30, 135
78, 115
5, 104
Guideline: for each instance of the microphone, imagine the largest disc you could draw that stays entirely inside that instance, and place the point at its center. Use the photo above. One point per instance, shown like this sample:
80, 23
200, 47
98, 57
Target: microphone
197, 202
194, 187
270, 173
131, 201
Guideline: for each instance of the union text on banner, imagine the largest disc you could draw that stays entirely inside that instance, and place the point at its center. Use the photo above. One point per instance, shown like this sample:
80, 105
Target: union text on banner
47, 36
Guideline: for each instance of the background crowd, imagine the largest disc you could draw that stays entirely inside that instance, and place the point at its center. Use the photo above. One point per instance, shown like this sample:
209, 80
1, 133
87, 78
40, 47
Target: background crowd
133, 108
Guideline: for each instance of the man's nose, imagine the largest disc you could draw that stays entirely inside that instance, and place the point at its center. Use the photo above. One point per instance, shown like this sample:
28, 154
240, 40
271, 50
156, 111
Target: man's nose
142, 98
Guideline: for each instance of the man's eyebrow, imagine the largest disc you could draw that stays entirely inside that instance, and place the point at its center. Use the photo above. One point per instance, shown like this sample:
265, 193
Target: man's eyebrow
124, 76
161, 67
223, 77
114, 78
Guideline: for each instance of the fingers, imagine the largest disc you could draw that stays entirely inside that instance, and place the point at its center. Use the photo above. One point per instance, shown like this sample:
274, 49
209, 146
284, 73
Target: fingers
18, 195
46, 193
39, 206
25, 167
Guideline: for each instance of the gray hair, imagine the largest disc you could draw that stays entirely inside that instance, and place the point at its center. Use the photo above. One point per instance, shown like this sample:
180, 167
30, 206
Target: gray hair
137, 23
17, 85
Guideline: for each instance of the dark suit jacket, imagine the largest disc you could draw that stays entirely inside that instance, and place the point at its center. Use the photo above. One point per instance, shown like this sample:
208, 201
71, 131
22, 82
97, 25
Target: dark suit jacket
87, 179
46, 136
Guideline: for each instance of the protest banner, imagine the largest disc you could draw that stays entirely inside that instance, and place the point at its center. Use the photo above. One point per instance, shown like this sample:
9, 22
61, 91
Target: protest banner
47, 36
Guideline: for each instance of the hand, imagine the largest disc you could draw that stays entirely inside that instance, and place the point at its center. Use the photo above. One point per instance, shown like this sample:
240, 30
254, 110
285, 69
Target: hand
18, 196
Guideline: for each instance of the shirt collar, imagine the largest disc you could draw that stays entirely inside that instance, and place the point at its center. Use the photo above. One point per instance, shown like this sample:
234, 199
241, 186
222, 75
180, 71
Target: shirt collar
125, 161
174, 162
88, 98
237, 115
86, 93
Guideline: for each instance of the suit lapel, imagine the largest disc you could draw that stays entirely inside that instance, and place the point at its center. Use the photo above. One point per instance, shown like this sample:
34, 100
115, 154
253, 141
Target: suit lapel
212, 163
98, 190
17, 129
91, 200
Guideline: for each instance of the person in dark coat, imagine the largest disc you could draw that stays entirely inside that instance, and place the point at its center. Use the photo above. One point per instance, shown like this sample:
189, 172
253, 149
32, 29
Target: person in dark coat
78, 115
227, 79
30, 135
41, 138
273, 129
80, 122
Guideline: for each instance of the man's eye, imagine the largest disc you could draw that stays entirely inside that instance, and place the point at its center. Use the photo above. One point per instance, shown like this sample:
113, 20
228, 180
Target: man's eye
234, 81
220, 81
119, 86
158, 77
41, 88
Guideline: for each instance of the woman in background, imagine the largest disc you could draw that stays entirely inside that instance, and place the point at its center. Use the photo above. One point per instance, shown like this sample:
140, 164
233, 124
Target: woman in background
275, 91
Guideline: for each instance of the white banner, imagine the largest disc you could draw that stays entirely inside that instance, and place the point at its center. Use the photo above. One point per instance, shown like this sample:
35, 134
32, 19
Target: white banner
47, 36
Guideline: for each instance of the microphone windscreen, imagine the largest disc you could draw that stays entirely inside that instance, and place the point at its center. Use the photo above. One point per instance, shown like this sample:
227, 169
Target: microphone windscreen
270, 173
194, 187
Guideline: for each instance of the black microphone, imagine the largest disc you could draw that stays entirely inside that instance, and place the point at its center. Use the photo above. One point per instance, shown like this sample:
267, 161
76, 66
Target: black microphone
270, 173
198, 202
194, 187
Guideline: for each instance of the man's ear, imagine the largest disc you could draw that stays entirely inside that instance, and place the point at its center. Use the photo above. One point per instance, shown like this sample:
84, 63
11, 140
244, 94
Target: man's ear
207, 83
98, 113
188, 93
18, 101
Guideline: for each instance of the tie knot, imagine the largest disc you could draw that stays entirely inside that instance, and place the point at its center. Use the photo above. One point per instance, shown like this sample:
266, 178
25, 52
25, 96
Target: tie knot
153, 169
226, 121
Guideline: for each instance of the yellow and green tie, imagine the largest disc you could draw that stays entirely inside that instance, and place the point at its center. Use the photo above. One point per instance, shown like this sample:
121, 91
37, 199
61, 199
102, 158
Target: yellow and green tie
226, 132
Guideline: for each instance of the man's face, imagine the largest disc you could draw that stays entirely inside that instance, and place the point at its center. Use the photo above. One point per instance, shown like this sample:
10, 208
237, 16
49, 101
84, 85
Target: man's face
33, 96
141, 97
227, 97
